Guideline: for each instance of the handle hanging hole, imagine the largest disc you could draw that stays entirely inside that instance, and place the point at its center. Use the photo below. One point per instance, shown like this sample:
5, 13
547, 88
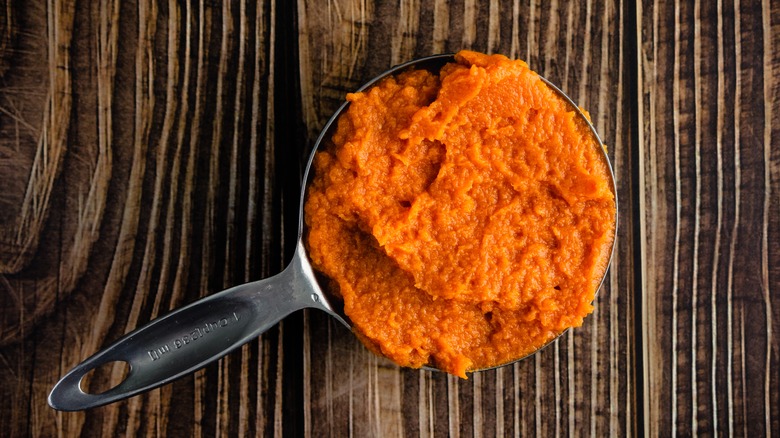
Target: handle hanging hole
104, 377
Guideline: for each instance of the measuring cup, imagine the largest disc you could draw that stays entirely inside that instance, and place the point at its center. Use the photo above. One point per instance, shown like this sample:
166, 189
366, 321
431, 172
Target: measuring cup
195, 335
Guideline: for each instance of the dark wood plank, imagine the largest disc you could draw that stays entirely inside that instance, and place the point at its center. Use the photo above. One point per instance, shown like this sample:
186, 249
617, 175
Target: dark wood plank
167, 192
584, 382
710, 247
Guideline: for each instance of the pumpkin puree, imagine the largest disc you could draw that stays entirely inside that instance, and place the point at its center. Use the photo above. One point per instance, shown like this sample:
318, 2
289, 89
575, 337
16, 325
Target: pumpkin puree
466, 219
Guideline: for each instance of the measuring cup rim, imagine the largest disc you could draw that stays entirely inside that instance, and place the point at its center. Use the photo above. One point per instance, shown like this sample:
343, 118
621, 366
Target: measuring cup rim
445, 58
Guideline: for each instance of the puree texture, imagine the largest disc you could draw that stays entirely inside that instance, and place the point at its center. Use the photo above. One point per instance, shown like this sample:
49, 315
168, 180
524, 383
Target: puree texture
465, 218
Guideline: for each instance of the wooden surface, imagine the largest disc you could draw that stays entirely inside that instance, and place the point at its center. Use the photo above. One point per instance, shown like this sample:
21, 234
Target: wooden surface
151, 153
710, 216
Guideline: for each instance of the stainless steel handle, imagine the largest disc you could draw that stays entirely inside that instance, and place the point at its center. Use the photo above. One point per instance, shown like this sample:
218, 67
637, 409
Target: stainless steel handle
193, 336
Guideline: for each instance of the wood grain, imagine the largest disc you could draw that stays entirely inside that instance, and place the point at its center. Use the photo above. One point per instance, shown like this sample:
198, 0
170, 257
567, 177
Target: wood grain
710, 190
151, 153
584, 382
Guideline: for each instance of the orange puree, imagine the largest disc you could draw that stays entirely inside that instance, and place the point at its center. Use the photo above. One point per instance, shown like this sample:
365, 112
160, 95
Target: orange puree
466, 219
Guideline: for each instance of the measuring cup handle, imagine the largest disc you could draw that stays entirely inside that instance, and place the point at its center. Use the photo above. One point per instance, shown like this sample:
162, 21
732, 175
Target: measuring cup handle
189, 338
